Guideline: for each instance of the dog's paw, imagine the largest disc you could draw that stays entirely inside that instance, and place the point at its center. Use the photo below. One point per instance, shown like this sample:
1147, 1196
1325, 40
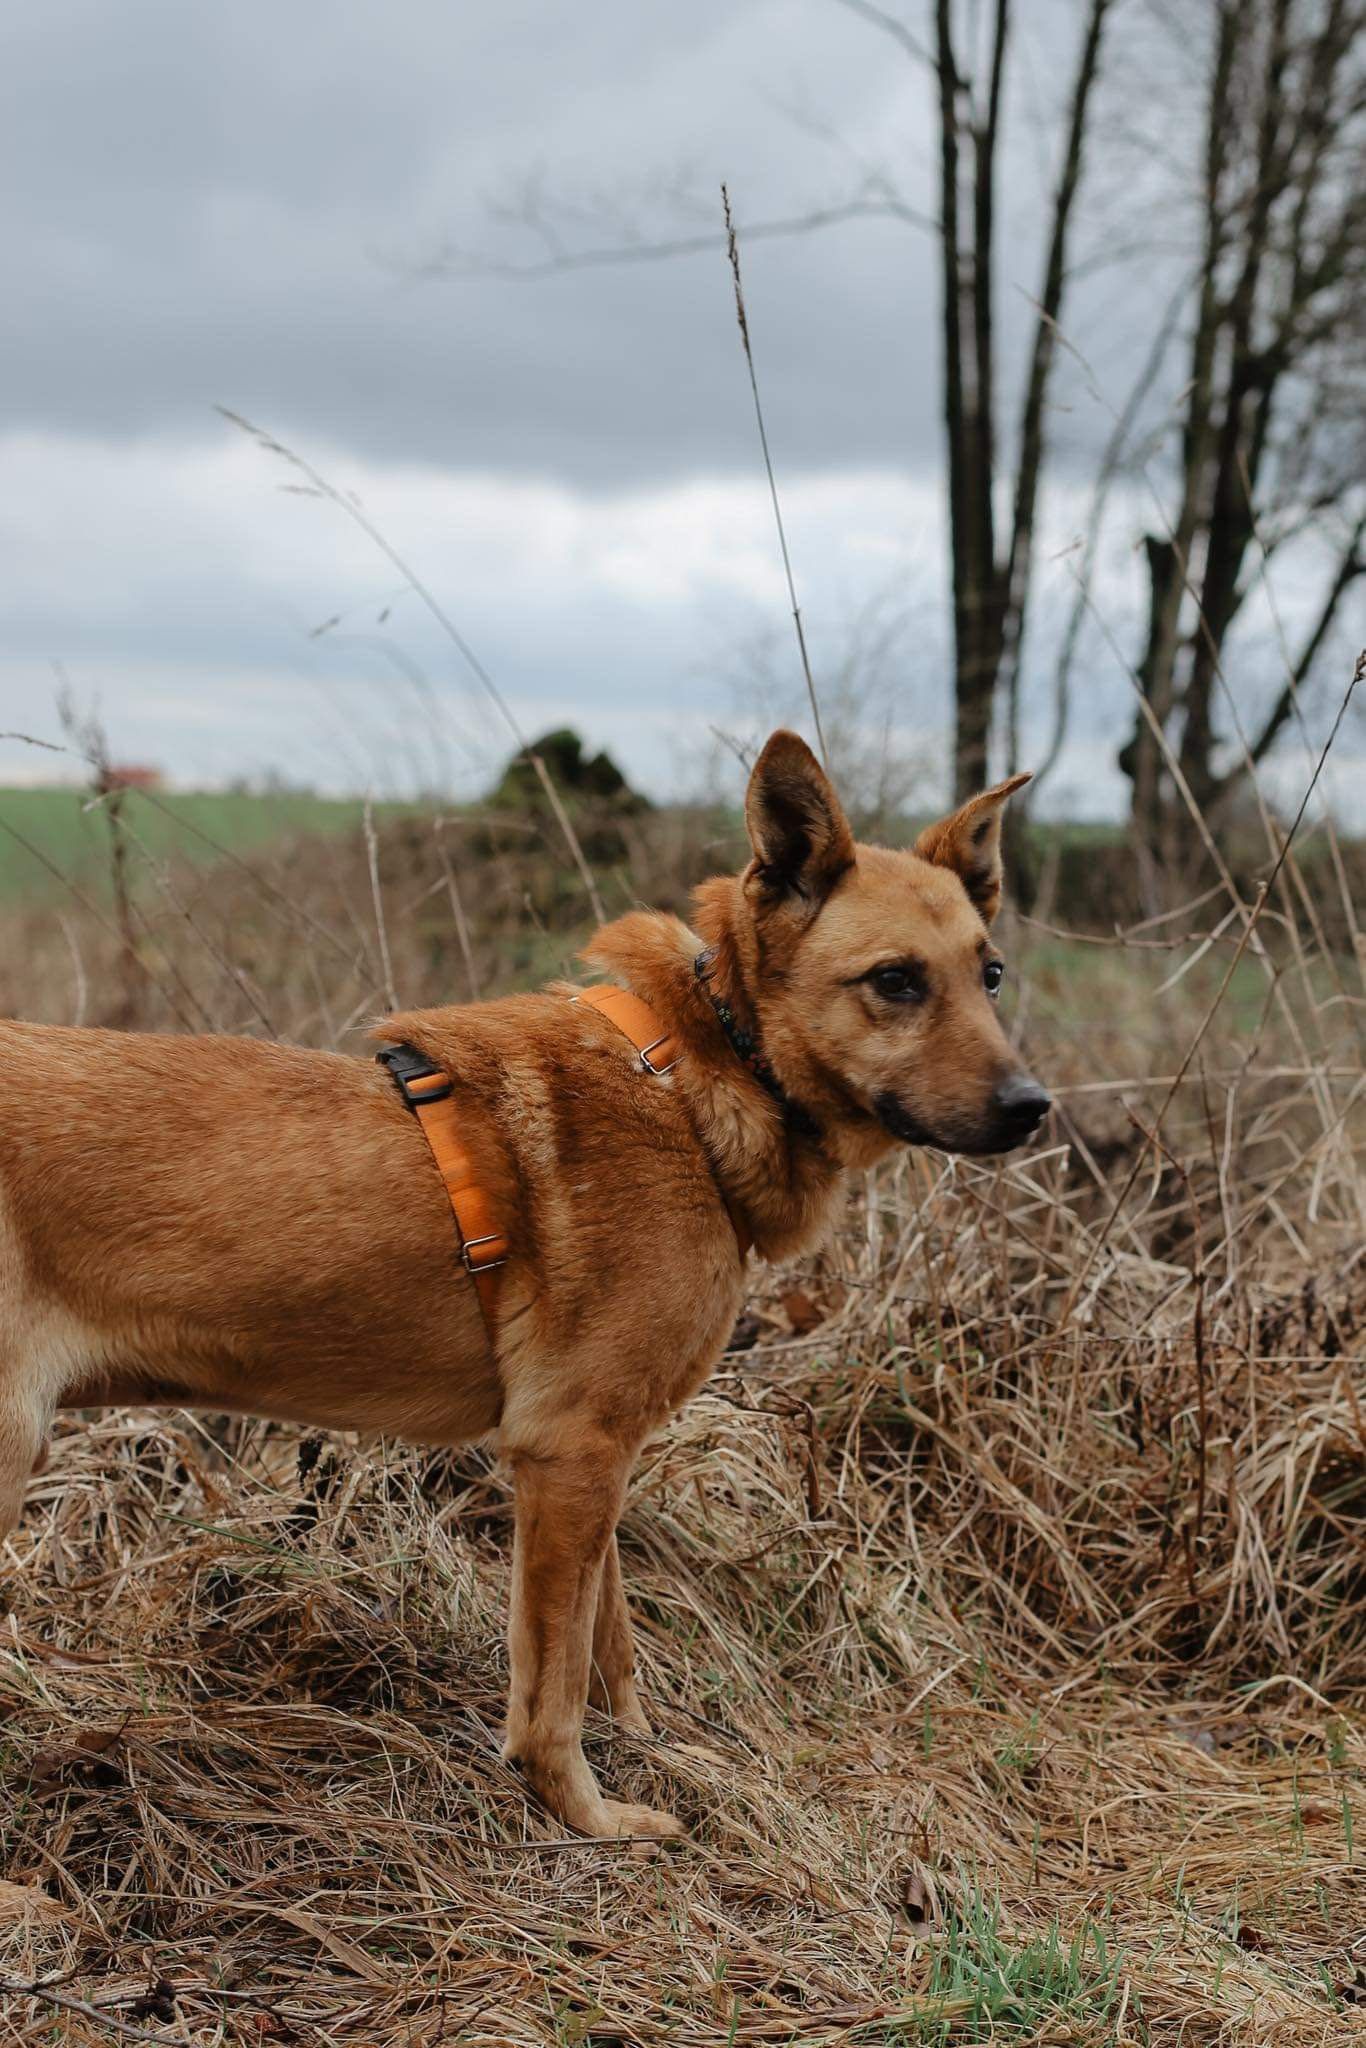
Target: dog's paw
638, 1823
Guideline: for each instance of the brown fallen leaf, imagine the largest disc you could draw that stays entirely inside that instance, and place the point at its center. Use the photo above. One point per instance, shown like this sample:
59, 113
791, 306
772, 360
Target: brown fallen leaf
915, 1901
86, 1760
28, 1902
802, 1312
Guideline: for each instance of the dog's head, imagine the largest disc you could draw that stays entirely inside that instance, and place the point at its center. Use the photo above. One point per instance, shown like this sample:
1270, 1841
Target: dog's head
872, 973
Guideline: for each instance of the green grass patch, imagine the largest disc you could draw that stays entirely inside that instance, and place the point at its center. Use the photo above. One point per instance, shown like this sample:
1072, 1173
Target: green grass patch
43, 829
989, 1988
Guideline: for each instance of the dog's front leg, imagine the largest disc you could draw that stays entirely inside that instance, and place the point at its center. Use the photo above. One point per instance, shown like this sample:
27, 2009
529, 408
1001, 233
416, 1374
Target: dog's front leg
566, 1516
612, 1683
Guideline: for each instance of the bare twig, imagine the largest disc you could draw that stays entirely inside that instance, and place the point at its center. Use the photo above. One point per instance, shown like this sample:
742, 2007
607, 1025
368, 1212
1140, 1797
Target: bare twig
733, 251
47, 1994
462, 923
420, 589
377, 898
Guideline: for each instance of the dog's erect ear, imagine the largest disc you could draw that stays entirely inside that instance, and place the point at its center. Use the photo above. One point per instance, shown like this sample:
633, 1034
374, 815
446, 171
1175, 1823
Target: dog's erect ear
969, 842
800, 835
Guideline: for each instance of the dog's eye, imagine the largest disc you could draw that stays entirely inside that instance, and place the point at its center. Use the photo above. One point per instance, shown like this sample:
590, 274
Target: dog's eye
898, 984
993, 974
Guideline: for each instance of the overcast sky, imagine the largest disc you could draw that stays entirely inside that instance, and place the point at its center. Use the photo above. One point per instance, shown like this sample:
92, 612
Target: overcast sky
290, 210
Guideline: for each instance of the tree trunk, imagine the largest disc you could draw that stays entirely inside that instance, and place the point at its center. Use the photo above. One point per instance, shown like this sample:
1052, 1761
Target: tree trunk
968, 407
1029, 473
1169, 558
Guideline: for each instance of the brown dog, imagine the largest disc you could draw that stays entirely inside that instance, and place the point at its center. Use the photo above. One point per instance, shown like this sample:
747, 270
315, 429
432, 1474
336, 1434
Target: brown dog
225, 1224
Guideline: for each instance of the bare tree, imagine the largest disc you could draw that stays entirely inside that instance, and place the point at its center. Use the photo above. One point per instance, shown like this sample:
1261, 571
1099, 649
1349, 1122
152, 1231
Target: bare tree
990, 569
991, 576
1271, 444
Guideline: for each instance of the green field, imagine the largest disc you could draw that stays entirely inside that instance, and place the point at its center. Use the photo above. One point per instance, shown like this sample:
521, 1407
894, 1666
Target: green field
42, 830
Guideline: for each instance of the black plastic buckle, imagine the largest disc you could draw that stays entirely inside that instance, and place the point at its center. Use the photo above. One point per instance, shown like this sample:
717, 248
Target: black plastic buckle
406, 1065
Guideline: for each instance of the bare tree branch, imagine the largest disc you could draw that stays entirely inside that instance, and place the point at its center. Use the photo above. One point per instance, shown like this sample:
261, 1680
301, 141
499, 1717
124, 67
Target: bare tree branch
1351, 565
1029, 468
1111, 461
454, 262
891, 25
1168, 556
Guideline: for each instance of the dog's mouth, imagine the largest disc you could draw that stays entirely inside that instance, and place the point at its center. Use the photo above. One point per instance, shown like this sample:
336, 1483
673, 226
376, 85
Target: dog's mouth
975, 1139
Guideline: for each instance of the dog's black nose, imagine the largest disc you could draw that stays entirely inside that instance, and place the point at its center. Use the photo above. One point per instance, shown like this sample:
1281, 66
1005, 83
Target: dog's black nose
1020, 1104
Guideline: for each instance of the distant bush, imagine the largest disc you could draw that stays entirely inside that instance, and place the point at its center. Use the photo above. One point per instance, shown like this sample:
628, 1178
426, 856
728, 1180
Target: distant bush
573, 772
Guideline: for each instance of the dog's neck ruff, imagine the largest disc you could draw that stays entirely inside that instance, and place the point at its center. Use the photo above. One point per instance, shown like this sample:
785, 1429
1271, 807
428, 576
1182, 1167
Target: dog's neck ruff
428, 1091
749, 1052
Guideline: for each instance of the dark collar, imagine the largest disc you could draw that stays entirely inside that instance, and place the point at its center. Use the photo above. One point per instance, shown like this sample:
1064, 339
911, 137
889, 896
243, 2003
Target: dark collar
747, 1050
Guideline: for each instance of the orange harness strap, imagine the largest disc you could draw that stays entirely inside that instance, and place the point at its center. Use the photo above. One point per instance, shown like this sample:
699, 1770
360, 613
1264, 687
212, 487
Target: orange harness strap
659, 1050
659, 1053
429, 1094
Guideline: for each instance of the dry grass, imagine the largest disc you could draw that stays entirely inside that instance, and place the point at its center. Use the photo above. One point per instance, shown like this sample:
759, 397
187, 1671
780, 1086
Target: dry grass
1002, 1607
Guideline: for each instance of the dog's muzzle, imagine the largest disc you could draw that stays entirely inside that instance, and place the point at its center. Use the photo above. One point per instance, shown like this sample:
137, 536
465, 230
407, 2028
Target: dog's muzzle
1013, 1112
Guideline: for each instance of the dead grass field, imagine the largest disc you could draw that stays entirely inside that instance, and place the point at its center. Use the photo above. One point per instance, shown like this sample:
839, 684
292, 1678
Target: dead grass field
1002, 1603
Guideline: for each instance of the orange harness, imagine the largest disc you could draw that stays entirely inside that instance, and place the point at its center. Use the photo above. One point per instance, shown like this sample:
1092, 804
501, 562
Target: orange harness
428, 1091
